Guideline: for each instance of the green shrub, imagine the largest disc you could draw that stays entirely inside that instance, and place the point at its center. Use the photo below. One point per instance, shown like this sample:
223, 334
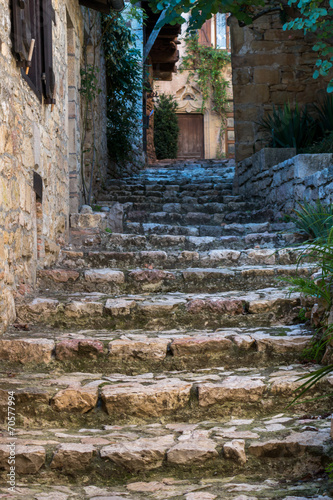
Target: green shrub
166, 129
124, 88
290, 128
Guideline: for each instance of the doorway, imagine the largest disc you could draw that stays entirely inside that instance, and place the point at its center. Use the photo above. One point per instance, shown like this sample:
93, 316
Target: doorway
191, 136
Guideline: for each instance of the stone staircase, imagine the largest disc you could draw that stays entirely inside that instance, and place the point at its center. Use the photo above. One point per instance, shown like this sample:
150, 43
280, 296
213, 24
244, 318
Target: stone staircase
158, 363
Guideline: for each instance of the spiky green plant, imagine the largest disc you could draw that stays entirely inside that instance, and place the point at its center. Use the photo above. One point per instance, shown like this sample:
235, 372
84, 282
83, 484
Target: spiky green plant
290, 128
314, 219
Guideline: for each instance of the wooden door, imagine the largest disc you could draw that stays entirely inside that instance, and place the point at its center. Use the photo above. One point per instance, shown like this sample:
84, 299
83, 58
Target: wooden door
191, 136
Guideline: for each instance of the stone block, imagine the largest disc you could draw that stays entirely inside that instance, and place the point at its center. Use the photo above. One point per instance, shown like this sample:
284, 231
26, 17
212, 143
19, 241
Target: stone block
75, 399
70, 457
264, 75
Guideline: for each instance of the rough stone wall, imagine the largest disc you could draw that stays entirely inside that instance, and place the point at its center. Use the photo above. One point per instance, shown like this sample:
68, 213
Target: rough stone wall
35, 138
95, 144
283, 184
270, 66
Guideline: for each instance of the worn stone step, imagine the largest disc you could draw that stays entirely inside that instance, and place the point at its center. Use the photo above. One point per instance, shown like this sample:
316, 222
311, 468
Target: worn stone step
181, 207
138, 351
236, 487
196, 218
263, 307
135, 242
280, 444
164, 259
190, 280
92, 399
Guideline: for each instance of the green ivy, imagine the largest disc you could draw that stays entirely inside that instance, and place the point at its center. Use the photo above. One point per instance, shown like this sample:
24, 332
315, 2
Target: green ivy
124, 87
315, 17
166, 129
206, 65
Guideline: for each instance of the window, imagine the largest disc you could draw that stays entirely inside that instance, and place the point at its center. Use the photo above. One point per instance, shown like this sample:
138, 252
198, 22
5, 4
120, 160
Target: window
221, 30
215, 32
32, 45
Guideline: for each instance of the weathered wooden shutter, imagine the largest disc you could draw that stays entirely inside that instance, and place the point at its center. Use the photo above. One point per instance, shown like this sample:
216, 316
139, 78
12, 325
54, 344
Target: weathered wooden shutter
22, 30
48, 77
205, 34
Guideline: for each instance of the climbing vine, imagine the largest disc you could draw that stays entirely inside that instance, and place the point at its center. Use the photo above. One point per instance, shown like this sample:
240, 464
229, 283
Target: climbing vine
207, 64
124, 87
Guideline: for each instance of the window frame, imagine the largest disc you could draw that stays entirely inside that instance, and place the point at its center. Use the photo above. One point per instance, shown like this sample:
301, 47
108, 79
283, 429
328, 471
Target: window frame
34, 77
227, 31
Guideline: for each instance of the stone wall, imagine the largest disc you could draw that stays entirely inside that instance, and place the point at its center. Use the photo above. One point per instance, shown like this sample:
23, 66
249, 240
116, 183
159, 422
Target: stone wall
283, 184
35, 138
95, 159
270, 66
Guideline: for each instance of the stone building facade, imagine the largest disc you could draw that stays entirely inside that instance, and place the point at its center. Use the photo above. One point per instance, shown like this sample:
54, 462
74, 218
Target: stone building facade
211, 137
40, 144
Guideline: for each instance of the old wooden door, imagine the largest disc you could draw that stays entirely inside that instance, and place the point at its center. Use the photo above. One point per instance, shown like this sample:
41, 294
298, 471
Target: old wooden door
191, 136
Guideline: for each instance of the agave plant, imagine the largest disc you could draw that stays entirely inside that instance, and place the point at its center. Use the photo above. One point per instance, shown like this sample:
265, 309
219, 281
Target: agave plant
314, 219
290, 128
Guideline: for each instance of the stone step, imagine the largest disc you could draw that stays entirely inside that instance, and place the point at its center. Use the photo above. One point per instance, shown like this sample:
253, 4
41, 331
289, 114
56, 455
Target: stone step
263, 307
170, 197
133, 242
236, 487
183, 208
85, 399
160, 259
194, 218
138, 351
279, 445
160, 188
141, 280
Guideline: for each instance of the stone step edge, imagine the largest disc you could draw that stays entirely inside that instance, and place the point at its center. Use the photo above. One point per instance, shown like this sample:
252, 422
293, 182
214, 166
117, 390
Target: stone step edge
146, 398
153, 349
99, 305
121, 276
146, 454
230, 257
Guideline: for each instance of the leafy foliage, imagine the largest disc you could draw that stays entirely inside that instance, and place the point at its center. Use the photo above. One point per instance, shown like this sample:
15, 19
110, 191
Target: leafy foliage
166, 127
290, 128
89, 82
124, 87
314, 18
207, 63
201, 10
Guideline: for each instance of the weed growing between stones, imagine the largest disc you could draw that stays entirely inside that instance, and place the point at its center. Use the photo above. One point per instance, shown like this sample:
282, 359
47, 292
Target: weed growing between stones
314, 219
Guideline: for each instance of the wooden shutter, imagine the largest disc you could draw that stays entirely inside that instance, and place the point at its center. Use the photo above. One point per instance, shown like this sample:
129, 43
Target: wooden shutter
22, 30
48, 77
205, 34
